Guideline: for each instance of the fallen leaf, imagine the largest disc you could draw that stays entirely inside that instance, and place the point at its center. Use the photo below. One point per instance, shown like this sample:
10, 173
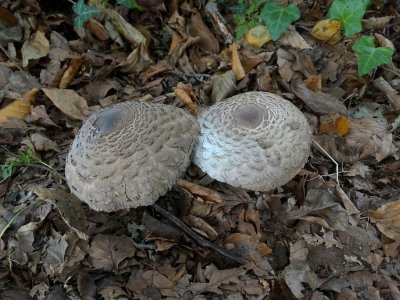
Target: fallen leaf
335, 123
367, 136
186, 95
237, 67
202, 193
37, 46
314, 83
129, 32
69, 102
387, 216
202, 227
392, 95
71, 71
108, 251
97, 29
137, 61
223, 85
19, 108
328, 31
293, 39
43, 143
285, 63
207, 41
319, 102
258, 36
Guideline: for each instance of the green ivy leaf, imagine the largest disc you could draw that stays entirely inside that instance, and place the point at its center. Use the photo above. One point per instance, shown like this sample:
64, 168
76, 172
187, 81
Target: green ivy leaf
129, 4
83, 13
350, 13
369, 56
278, 18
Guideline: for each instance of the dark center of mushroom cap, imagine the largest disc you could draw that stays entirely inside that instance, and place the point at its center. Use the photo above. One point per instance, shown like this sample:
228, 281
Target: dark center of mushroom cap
111, 120
249, 115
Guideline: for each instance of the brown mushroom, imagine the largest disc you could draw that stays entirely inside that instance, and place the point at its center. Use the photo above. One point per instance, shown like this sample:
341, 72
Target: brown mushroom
130, 154
256, 140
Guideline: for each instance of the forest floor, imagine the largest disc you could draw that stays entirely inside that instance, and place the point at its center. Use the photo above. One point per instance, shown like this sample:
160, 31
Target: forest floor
332, 232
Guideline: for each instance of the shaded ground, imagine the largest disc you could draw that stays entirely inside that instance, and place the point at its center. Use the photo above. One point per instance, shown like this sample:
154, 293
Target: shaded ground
313, 238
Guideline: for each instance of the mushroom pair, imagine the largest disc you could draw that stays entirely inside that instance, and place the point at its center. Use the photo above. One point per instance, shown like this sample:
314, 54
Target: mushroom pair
130, 154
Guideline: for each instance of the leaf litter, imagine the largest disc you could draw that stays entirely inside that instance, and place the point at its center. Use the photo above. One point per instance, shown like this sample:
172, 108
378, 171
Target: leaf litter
313, 238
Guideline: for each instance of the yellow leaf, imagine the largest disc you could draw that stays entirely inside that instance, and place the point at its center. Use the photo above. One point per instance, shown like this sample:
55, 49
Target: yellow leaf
335, 123
19, 108
328, 31
258, 36
237, 66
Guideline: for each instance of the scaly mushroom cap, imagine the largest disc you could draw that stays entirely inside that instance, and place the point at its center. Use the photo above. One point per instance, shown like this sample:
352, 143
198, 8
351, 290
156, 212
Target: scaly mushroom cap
129, 154
256, 140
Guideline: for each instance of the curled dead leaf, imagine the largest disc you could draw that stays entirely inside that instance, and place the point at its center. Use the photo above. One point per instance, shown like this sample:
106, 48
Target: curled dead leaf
70, 72
201, 226
237, 66
185, 94
200, 192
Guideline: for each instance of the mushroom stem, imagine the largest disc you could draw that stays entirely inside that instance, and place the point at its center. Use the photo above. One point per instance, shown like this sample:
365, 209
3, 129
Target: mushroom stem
197, 238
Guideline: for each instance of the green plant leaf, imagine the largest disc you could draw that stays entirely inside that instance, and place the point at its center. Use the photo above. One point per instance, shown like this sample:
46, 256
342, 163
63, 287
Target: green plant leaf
350, 13
369, 56
83, 13
129, 4
278, 18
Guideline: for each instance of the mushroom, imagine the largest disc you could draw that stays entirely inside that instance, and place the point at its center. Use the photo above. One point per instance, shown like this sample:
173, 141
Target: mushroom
130, 154
255, 140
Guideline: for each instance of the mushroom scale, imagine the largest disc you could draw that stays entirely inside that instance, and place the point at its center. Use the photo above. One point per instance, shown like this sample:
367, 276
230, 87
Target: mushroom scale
255, 140
130, 154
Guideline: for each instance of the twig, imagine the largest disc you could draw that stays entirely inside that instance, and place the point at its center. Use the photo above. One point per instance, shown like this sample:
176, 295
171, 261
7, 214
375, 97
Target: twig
197, 238
331, 158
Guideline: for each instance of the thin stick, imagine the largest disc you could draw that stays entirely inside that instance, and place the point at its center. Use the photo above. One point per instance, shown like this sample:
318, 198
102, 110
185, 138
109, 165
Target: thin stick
197, 238
331, 158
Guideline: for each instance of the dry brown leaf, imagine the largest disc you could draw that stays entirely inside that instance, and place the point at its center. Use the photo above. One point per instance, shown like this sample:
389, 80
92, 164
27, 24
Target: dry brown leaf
69, 102
285, 63
185, 94
108, 251
293, 39
314, 83
70, 72
207, 41
258, 36
179, 45
367, 136
392, 95
97, 29
43, 143
37, 46
376, 23
19, 108
201, 226
200, 192
130, 33
387, 217
335, 123
70, 208
319, 102
137, 61
237, 67
328, 31
223, 85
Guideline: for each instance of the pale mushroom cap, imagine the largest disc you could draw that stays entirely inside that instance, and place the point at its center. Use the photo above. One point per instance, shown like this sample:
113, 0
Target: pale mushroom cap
256, 140
130, 154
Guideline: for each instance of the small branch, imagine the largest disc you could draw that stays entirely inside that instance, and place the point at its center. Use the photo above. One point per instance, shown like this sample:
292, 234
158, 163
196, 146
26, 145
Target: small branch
331, 158
197, 238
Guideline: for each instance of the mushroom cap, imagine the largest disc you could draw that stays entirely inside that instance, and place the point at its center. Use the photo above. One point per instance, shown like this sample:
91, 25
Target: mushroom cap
255, 140
130, 154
